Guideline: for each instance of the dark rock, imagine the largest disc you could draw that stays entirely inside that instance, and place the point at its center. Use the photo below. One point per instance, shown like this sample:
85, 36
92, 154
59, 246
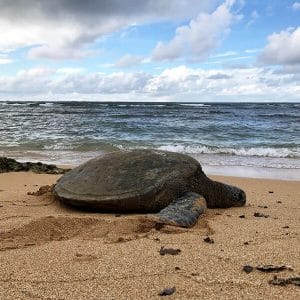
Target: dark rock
171, 251
242, 216
271, 192
285, 227
246, 243
177, 268
167, 291
117, 215
285, 281
11, 165
273, 268
294, 280
279, 202
260, 215
248, 269
208, 240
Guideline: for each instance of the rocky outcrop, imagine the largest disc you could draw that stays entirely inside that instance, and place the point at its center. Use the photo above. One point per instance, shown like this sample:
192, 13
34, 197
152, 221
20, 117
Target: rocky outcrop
11, 165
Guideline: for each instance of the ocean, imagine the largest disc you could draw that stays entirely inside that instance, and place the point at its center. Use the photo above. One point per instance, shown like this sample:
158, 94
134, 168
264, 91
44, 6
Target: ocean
239, 139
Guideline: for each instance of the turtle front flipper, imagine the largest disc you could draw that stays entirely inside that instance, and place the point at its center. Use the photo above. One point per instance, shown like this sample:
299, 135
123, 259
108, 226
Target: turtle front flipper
183, 212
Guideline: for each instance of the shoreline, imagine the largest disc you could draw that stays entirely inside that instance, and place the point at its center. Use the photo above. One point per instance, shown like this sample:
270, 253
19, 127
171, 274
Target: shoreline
52, 251
253, 172
245, 171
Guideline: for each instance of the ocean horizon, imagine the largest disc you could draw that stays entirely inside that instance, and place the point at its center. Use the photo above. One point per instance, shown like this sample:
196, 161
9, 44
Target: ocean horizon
237, 139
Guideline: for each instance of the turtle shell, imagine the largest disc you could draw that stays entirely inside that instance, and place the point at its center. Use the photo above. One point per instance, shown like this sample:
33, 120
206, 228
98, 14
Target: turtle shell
138, 180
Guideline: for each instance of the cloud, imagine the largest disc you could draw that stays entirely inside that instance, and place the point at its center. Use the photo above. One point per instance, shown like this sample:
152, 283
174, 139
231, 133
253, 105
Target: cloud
226, 54
70, 70
31, 81
4, 58
100, 83
174, 84
5, 61
200, 37
296, 6
254, 16
283, 48
219, 76
59, 29
128, 61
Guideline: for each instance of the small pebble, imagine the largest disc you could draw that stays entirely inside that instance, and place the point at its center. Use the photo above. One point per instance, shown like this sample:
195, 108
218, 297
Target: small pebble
273, 268
285, 281
242, 216
260, 215
248, 269
208, 240
171, 251
167, 291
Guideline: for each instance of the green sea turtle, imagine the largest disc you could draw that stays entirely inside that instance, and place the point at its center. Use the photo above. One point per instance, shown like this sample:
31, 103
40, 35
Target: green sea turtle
171, 185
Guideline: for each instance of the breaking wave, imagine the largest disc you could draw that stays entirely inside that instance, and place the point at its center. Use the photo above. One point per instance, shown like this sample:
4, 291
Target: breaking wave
259, 152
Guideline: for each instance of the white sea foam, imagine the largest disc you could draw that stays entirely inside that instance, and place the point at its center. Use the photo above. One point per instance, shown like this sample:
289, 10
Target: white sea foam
46, 104
260, 152
195, 104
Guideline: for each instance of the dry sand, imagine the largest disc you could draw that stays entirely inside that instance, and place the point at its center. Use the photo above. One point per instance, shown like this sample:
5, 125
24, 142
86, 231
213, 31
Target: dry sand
48, 251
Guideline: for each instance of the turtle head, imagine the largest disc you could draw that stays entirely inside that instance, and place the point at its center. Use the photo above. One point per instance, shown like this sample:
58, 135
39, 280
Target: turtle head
232, 196
222, 195
217, 194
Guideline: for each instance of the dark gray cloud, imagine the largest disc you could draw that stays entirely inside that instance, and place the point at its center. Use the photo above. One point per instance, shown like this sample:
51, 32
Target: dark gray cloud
108, 8
63, 26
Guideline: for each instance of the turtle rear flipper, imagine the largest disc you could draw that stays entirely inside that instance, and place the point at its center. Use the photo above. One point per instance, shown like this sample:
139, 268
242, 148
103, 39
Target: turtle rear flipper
183, 212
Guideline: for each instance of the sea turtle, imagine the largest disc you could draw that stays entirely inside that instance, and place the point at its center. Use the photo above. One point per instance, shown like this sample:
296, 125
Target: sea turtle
169, 184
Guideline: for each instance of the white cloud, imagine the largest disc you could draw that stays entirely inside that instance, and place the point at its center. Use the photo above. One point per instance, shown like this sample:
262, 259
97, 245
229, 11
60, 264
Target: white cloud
173, 84
296, 6
226, 54
31, 81
61, 29
253, 17
128, 61
282, 48
70, 70
255, 50
5, 61
200, 37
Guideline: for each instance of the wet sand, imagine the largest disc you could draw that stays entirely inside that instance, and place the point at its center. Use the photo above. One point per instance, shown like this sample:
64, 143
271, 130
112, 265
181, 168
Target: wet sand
49, 251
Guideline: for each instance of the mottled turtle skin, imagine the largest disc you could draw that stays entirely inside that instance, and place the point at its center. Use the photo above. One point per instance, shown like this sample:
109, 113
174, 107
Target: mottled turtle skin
170, 184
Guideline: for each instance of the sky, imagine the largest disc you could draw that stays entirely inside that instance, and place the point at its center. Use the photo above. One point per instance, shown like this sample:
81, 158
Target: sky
150, 50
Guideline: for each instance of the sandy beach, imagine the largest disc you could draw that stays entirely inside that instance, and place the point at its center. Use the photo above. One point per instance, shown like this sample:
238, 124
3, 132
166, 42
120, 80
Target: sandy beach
49, 251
